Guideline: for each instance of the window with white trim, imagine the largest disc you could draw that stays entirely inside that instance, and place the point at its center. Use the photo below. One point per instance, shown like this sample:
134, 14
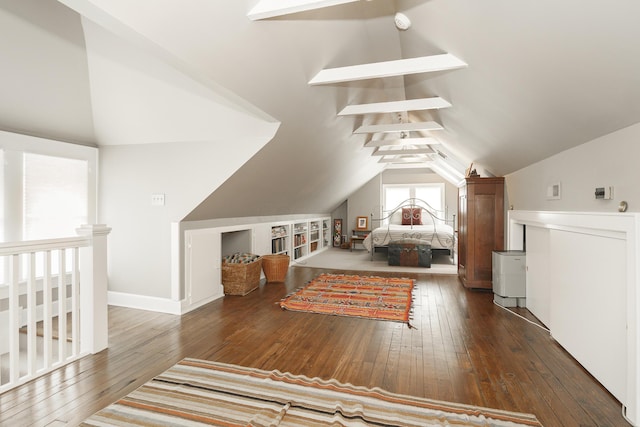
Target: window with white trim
54, 194
432, 194
47, 191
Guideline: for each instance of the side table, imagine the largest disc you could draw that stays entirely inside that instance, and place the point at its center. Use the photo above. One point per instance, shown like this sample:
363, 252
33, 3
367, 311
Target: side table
355, 240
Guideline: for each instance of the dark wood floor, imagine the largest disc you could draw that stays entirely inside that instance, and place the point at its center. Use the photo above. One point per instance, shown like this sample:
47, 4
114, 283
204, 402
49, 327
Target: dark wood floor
463, 349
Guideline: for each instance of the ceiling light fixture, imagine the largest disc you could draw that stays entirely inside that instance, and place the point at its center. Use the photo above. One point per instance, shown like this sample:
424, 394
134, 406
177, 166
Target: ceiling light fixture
403, 23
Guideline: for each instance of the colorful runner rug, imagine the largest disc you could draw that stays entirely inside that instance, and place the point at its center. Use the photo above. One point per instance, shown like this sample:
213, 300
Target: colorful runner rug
200, 393
383, 298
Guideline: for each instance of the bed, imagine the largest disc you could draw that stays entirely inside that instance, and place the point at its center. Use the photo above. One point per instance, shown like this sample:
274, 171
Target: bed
413, 220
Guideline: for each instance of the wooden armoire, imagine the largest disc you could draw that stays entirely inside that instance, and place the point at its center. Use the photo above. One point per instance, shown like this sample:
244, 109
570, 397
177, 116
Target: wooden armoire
480, 229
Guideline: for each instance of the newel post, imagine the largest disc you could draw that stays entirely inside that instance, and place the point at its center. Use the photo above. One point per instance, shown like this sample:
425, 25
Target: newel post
94, 326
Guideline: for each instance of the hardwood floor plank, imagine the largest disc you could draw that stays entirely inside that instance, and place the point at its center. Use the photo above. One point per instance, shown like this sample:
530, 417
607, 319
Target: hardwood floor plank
463, 349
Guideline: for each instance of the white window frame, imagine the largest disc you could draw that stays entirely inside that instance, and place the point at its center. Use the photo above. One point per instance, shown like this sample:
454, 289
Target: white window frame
13, 145
412, 192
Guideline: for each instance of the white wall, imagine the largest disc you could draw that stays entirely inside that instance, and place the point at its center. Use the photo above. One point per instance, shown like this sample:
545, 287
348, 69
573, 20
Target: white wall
611, 160
364, 202
140, 243
368, 198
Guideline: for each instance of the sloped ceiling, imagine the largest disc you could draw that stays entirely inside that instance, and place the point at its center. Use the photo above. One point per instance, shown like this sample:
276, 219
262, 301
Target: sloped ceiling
44, 81
542, 77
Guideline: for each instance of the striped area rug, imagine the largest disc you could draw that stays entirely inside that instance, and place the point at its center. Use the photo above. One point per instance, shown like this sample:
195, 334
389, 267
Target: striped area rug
200, 393
371, 297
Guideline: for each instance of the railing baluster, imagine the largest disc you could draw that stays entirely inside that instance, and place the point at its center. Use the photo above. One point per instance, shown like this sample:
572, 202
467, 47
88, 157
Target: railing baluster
31, 314
62, 306
46, 309
27, 300
75, 301
14, 324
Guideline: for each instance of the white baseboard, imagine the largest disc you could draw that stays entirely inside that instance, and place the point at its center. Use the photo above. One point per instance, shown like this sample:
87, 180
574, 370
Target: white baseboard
160, 305
142, 302
187, 308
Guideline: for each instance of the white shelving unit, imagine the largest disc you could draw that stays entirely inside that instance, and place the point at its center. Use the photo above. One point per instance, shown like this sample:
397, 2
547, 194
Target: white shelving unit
326, 232
314, 236
280, 235
297, 238
300, 246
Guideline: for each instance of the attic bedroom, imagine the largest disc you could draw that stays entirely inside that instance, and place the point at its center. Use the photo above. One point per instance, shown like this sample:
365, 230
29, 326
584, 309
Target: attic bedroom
156, 139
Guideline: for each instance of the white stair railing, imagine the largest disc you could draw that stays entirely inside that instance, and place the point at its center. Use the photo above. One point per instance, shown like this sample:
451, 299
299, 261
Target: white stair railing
53, 303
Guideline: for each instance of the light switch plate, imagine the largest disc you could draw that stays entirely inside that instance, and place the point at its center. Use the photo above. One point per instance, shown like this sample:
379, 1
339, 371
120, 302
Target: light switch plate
157, 199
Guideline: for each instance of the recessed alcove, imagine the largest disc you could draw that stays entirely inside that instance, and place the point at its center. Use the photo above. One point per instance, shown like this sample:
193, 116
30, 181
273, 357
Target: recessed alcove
236, 241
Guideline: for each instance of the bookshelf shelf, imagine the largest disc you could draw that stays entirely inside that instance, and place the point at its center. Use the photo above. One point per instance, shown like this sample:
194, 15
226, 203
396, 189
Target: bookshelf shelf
280, 239
314, 236
300, 240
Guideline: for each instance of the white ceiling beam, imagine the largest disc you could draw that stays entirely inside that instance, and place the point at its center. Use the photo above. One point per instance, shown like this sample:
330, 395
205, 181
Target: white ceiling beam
454, 178
425, 165
272, 8
400, 67
407, 159
399, 127
401, 141
396, 106
403, 151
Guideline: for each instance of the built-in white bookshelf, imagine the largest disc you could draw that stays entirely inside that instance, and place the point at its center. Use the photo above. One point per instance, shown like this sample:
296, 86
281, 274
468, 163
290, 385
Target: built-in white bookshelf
280, 235
314, 236
300, 239
297, 238
326, 232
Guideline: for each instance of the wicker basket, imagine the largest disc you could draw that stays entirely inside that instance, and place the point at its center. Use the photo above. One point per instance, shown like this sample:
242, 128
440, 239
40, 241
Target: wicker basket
240, 279
275, 267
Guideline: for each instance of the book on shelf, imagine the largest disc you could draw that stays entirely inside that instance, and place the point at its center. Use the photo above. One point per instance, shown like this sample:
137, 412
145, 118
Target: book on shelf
278, 231
278, 245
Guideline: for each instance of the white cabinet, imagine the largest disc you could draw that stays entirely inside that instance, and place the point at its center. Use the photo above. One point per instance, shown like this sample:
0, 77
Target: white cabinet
203, 281
537, 274
581, 283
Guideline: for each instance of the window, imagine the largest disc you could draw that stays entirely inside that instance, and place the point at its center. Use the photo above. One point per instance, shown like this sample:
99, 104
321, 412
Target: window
432, 194
54, 196
47, 190
2, 196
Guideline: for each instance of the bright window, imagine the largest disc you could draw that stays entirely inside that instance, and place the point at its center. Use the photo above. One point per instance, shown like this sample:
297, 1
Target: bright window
432, 194
54, 196
1, 195
47, 191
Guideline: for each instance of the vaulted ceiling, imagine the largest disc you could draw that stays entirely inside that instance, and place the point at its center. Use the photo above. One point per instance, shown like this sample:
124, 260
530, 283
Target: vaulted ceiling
539, 77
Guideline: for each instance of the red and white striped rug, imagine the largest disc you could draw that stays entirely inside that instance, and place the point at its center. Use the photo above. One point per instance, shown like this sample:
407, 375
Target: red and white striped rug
202, 393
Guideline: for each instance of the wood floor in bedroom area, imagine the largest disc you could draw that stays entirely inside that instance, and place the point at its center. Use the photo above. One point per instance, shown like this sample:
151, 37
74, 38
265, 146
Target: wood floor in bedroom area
463, 349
